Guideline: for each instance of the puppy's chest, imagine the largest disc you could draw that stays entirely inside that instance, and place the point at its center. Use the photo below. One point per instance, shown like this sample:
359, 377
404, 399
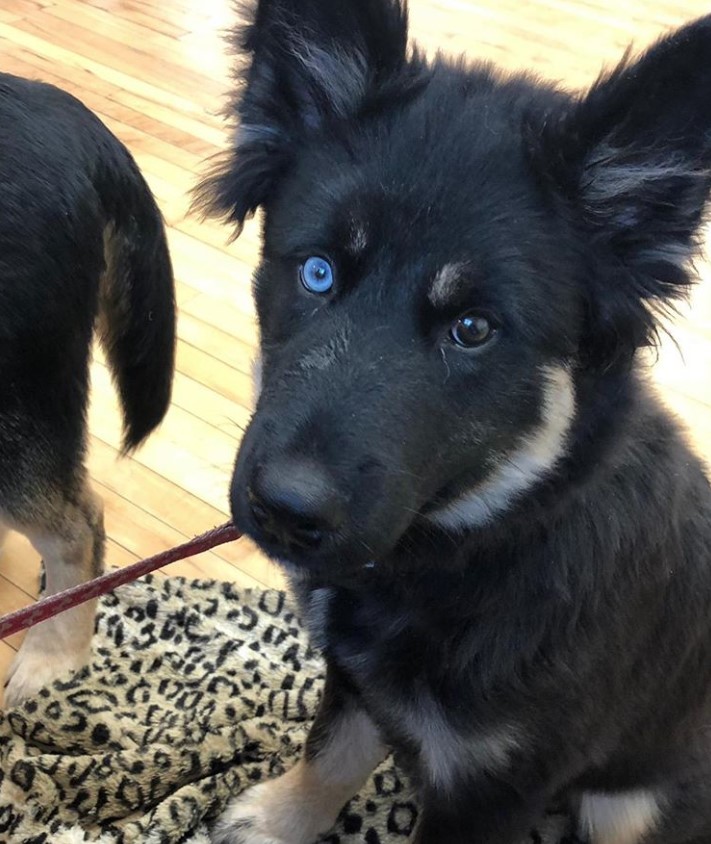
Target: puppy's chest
367, 636
437, 725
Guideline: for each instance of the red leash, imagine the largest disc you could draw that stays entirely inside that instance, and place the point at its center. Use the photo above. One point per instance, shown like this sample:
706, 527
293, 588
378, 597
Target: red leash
54, 604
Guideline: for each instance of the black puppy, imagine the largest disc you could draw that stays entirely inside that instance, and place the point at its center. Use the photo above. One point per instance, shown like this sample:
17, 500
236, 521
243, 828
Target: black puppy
81, 239
497, 535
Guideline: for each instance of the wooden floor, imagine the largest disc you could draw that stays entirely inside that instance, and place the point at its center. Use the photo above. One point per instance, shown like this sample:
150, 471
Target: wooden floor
155, 71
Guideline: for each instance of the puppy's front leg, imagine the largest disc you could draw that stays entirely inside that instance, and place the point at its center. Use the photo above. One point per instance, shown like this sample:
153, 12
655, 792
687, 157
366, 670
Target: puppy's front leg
342, 749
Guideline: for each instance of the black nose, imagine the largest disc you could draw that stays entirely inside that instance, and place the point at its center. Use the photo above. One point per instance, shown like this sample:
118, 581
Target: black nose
295, 503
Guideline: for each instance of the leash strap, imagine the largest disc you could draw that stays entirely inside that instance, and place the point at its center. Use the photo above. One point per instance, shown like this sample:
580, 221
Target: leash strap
54, 604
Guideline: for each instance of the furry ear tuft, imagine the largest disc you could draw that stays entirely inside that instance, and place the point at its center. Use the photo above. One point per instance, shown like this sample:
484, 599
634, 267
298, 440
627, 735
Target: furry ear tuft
632, 162
305, 64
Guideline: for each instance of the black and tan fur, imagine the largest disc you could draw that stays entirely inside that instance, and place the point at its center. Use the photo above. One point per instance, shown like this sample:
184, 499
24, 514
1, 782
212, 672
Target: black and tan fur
82, 249
498, 536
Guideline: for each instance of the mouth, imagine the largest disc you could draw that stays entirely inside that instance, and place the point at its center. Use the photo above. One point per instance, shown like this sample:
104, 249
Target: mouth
308, 553
341, 561
329, 574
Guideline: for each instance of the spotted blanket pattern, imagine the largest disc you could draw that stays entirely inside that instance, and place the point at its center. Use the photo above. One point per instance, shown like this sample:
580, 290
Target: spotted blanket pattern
196, 689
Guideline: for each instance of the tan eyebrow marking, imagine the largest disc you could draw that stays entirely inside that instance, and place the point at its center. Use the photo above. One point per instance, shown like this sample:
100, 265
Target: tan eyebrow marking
446, 283
358, 236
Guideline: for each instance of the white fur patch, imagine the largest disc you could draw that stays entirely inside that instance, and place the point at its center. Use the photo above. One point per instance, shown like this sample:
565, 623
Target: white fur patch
618, 818
520, 470
445, 284
447, 755
359, 238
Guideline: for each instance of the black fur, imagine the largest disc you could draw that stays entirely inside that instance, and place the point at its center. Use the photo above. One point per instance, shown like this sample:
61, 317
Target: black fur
65, 180
574, 612
82, 248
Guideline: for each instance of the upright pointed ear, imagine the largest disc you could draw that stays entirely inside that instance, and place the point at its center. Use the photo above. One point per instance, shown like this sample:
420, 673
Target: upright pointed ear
632, 160
304, 63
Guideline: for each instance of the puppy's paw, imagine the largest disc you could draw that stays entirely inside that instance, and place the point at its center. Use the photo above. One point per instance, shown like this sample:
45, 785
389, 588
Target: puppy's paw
239, 832
244, 821
37, 666
279, 811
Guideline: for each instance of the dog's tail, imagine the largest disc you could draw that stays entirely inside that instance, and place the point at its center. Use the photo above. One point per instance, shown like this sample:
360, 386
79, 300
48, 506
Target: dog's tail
137, 296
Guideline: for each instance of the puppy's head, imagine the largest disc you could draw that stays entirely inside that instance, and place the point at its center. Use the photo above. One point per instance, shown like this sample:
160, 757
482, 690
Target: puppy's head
445, 252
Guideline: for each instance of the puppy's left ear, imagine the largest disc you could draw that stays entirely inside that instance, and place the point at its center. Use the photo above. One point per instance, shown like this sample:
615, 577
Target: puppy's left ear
305, 64
632, 160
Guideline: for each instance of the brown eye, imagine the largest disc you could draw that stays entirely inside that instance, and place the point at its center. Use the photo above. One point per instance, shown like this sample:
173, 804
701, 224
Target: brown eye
471, 330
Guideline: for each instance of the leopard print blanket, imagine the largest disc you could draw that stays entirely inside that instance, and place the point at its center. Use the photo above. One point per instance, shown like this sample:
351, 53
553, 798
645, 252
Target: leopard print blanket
195, 691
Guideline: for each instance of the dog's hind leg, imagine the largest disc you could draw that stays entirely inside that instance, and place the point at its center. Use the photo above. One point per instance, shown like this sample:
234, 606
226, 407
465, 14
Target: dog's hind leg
342, 749
66, 527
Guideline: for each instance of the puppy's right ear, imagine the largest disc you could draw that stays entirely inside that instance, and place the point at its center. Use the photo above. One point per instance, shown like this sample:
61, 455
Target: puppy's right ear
306, 63
631, 162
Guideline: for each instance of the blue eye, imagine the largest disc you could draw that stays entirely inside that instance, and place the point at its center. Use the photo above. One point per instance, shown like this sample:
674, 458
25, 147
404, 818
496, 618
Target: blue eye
316, 275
